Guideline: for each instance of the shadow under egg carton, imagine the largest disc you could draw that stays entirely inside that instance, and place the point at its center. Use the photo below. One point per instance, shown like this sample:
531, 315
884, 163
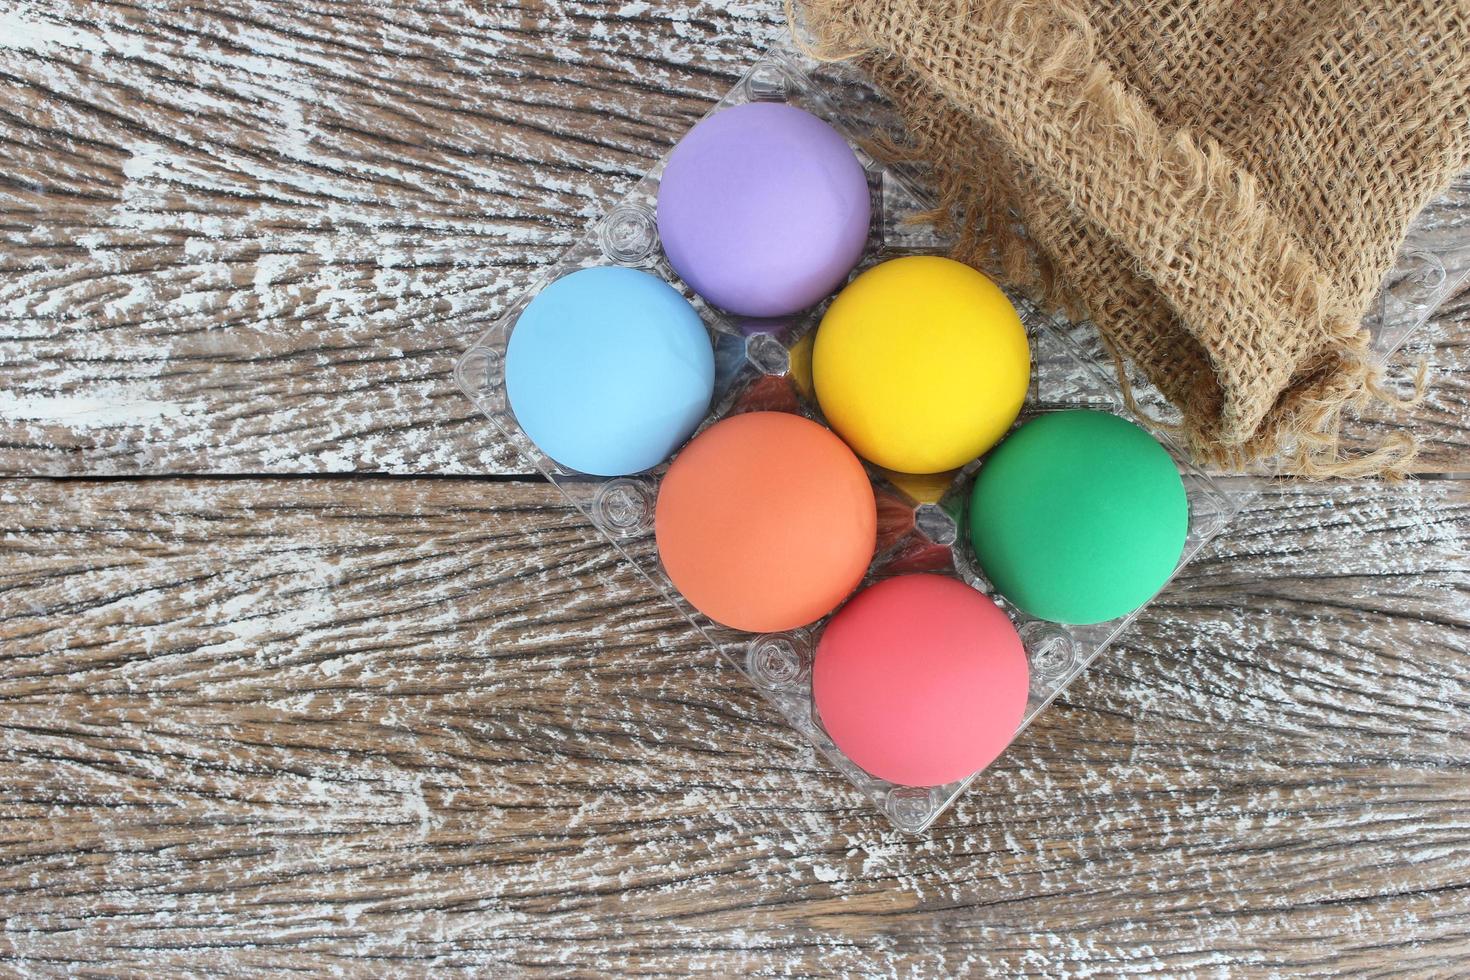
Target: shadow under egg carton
765, 365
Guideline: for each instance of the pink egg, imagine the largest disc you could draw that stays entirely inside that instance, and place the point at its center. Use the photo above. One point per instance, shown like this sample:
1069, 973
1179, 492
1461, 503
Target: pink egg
920, 680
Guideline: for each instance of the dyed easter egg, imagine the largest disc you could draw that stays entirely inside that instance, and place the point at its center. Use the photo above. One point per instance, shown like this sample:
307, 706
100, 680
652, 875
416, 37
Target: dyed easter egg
921, 364
609, 370
766, 521
763, 209
920, 680
1078, 517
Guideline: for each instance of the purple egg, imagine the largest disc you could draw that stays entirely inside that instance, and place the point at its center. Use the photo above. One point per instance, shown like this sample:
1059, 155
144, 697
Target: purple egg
763, 209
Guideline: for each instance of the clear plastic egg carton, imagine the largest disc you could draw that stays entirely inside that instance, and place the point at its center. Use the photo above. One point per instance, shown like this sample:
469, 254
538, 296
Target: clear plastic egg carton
765, 365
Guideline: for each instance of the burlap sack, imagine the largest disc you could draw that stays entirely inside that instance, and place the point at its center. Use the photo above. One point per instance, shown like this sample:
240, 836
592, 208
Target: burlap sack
1220, 185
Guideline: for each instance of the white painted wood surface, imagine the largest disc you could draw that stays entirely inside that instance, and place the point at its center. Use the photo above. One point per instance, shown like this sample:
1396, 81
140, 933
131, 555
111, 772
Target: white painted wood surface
375, 726
280, 720
253, 240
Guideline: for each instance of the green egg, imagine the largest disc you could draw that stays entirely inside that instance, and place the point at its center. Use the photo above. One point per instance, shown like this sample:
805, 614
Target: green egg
1078, 517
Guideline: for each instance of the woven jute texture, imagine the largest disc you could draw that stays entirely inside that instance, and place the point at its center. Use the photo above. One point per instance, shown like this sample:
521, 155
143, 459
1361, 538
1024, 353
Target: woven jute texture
1220, 185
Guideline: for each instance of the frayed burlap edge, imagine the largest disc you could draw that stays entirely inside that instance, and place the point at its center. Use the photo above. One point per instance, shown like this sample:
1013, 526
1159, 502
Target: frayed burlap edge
1301, 426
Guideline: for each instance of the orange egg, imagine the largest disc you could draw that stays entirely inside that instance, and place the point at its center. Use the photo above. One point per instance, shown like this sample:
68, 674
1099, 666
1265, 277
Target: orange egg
766, 521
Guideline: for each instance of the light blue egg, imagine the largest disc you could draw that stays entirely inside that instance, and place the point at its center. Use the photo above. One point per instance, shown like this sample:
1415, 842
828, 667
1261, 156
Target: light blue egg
609, 371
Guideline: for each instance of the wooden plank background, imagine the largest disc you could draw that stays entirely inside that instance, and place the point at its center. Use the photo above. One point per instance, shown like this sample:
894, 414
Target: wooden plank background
262, 711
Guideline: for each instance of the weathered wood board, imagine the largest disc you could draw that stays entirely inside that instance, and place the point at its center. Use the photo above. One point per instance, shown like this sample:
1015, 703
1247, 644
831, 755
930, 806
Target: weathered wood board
253, 240
275, 720
377, 725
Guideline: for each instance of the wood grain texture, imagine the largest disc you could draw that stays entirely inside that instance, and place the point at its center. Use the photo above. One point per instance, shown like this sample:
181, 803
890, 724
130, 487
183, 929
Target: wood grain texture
253, 239
373, 726
379, 726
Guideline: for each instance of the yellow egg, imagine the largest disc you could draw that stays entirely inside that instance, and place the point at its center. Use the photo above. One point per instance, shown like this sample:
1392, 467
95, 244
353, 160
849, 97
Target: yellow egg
921, 364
